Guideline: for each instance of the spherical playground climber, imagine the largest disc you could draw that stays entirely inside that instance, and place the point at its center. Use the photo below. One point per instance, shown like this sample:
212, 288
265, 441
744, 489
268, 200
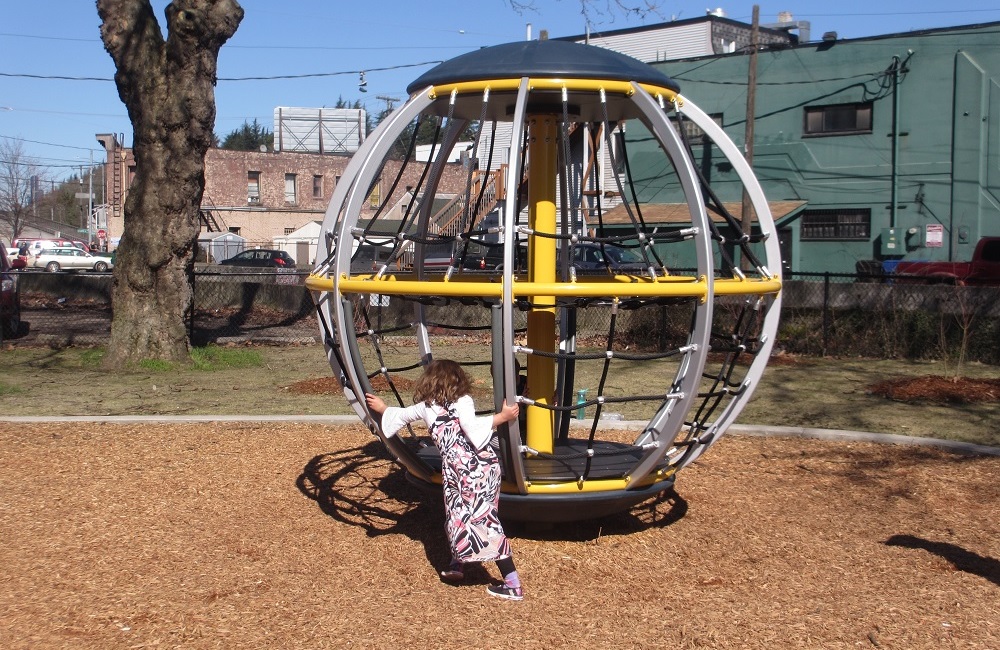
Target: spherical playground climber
549, 123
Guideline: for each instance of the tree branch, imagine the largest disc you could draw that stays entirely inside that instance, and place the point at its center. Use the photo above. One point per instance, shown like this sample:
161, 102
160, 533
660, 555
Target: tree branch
197, 26
131, 35
591, 9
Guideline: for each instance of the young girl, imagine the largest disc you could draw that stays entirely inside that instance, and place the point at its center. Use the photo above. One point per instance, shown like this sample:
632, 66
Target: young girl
470, 469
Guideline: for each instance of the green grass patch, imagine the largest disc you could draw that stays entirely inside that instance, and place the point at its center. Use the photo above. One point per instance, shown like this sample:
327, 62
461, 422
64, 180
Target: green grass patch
156, 365
8, 389
213, 357
210, 358
92, 357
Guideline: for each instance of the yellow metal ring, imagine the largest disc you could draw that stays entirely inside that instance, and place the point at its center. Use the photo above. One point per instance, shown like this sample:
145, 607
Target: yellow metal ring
512, 85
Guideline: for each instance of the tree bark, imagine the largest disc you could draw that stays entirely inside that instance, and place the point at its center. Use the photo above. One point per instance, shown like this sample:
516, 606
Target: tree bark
168, 87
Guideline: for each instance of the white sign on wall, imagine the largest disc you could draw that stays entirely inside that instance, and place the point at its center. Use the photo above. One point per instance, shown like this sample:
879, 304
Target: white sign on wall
934, 237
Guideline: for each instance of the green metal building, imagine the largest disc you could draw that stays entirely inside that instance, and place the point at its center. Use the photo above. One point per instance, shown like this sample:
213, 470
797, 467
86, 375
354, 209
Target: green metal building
892, 142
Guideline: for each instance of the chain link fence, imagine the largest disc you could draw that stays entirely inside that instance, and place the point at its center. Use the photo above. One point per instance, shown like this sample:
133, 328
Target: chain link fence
822, 314
875, 316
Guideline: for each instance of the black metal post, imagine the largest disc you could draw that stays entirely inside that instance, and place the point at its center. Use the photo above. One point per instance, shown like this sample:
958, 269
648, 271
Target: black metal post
826, 312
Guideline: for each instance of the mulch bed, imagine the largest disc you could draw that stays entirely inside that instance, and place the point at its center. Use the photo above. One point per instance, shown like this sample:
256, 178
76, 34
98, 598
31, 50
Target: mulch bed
245, 535
939, 390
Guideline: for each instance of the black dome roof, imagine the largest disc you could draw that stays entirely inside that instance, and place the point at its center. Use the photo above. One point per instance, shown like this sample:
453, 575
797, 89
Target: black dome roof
549, 59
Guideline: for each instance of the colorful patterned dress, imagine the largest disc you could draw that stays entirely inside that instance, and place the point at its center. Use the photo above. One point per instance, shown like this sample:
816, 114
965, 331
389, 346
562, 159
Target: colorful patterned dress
470, 472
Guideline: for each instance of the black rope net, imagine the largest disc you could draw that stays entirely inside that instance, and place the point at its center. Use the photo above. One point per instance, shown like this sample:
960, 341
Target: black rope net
603, 340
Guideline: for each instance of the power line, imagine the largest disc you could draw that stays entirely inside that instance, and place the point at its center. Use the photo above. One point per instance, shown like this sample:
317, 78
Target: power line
52, 76
330, 74
50, 144
810, 15
350, 49
49, 112
946, 32
872, 75
50, 38
34, 163
266, 78
230, 46
904, 13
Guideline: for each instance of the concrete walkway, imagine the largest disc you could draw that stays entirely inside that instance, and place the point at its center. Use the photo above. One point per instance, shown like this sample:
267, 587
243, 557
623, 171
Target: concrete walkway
636, 425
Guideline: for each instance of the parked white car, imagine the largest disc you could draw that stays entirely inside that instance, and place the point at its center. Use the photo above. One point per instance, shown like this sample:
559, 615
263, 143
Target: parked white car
70, 259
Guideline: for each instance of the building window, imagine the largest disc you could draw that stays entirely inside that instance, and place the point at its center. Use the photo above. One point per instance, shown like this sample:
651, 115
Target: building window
289, 188
693, 133
289, 231
317, 187
234, 229
375, 198
253, 187
838, 119
849, 224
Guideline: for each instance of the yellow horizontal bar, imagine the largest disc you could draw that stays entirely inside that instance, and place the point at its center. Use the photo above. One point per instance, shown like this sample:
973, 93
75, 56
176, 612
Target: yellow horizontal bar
572, 487
588, 85
620, 285
733, 287
588, 487
616, 286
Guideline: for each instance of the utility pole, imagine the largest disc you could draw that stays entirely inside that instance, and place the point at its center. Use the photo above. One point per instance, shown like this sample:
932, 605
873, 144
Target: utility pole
389, 101
894, 180
89, 195
90, 199
747, 212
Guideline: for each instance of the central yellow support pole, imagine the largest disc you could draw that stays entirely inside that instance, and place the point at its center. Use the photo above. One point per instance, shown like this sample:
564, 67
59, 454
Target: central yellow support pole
542, 151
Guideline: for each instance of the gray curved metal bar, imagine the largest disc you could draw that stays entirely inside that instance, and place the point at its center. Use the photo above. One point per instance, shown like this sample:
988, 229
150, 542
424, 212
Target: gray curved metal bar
772, 267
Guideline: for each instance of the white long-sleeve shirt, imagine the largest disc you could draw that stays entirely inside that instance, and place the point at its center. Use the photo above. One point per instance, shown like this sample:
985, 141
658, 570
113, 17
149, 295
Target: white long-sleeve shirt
478, 429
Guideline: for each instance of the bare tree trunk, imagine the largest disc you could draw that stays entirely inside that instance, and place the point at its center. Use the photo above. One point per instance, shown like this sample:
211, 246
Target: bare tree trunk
168, 87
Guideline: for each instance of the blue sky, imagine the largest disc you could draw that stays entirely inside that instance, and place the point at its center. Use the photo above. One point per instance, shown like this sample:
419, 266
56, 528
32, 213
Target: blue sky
393, 40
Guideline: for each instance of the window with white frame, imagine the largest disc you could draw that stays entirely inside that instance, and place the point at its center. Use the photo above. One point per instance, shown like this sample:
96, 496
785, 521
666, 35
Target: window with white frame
253, 187
290, 188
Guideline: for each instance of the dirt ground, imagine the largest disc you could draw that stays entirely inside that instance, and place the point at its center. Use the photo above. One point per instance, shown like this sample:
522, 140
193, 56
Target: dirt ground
306, 536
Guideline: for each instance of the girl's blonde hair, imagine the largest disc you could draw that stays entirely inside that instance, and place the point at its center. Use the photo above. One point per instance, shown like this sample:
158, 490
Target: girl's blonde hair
443, 382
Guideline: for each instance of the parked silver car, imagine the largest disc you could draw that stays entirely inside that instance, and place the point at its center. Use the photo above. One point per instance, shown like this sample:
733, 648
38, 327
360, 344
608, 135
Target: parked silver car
70, 259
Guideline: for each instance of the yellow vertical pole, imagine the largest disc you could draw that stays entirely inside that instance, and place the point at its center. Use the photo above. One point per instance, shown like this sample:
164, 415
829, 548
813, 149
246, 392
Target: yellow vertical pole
542, 150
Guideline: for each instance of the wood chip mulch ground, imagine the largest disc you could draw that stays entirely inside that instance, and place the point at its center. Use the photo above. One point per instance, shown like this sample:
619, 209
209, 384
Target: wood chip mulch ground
247, 535
939, 390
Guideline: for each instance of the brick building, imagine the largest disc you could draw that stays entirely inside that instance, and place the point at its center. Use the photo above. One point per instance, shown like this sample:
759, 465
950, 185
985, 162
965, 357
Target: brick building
260, 196
263, 195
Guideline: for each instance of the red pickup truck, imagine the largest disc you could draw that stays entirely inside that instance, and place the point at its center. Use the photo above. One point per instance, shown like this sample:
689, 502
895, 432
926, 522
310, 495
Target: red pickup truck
983, 269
